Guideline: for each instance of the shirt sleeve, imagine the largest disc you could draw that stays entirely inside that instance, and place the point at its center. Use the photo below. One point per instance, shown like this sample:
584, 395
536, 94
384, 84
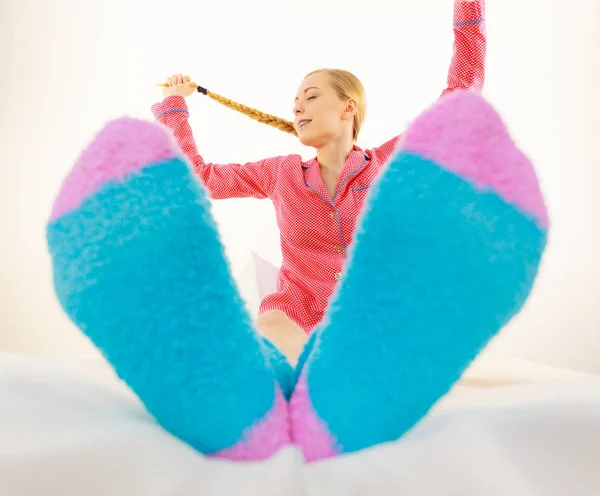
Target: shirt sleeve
467, 67
222, 181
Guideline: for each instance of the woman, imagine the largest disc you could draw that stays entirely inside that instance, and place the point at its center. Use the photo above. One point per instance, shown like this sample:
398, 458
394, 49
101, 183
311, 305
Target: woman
139, 267
317, 203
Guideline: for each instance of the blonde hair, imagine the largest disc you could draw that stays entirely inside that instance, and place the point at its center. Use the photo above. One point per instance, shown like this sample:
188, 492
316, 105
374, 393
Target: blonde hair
346, 85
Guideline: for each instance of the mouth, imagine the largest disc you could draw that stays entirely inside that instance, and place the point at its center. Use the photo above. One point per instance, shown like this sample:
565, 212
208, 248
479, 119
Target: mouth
302, 123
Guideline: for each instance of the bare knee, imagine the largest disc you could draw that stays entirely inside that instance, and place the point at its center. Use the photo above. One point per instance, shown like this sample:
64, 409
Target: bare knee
273, 317
283, 332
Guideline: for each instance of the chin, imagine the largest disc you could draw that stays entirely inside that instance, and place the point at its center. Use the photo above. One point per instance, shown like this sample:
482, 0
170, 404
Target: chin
307, 140
312, 140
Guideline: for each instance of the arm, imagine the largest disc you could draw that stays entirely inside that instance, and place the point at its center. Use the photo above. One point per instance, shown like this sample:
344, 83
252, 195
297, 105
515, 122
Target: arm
254, 179
467, 68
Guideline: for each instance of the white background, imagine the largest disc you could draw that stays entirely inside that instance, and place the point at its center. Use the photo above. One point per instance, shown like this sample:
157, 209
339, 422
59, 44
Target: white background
69, 66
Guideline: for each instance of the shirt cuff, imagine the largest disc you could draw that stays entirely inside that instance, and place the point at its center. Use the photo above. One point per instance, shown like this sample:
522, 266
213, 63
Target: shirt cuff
170, 105
466, 13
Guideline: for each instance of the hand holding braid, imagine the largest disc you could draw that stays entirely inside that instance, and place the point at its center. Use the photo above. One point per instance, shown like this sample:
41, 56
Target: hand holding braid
178, 85
181, 85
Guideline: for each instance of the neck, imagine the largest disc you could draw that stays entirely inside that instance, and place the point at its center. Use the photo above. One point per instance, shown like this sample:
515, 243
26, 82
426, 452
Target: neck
333, 155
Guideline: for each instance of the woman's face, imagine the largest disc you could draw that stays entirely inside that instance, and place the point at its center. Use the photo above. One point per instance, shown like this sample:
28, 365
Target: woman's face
319, 113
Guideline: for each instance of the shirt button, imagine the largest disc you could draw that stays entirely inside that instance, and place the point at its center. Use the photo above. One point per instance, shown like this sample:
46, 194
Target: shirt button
333, 215
337, 276
338, 249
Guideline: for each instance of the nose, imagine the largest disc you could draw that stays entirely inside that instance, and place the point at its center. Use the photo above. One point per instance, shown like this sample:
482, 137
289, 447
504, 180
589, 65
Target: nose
298, 108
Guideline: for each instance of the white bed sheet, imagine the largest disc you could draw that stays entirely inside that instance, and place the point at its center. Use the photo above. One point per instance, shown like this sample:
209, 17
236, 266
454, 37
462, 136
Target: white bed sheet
69, 427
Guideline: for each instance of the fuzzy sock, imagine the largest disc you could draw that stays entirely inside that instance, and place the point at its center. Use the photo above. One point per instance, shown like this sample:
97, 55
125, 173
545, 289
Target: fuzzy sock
283, 370
446, 254
139, 267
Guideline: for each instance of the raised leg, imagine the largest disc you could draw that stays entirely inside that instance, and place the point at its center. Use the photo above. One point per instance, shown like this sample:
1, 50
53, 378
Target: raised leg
139, 267
449, 246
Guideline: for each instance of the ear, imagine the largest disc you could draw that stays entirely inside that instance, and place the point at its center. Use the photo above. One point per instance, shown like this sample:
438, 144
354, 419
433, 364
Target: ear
350, 109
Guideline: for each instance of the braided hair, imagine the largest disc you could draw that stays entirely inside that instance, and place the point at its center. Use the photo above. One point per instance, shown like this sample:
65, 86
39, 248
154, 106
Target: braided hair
257, 115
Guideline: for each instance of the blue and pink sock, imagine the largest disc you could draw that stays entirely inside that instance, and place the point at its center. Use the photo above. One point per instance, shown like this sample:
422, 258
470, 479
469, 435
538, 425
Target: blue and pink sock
139, 267
447, 252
